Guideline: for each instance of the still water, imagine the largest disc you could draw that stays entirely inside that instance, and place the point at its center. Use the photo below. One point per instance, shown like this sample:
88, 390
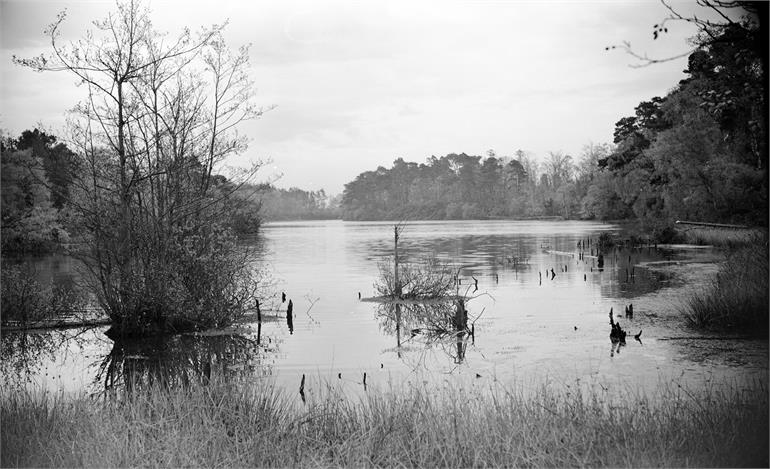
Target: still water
539, 313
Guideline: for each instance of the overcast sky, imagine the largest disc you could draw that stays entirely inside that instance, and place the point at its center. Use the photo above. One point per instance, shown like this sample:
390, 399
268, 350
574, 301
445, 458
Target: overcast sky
358, 84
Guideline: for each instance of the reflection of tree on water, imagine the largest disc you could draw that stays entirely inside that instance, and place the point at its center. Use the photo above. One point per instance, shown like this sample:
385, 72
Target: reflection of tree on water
180, 360
23, 352
431, 324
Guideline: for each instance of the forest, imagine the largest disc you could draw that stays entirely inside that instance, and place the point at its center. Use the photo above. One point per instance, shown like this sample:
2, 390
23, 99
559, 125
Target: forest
38, 173
697, 153
278, 204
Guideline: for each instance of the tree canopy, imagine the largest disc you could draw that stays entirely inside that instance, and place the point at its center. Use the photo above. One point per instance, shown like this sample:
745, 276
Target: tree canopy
155, 220
699, 152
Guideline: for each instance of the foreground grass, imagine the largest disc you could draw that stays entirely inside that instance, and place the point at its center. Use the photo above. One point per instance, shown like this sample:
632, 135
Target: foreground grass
737, 299
227, 426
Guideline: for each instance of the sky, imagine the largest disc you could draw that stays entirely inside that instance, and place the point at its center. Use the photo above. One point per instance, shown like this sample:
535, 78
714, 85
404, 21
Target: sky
358, 84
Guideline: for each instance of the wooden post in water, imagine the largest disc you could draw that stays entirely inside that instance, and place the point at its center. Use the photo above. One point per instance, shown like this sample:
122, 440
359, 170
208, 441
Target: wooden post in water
461, 317
398, 329
396, 284
289, 318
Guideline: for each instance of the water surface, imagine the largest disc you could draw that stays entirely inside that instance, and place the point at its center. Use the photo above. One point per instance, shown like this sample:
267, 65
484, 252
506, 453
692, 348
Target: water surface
540, 312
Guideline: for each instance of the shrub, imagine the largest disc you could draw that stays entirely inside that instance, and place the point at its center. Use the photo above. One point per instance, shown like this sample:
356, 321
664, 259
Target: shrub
147, 200
200, 279
24, 300
424, 280
665, 235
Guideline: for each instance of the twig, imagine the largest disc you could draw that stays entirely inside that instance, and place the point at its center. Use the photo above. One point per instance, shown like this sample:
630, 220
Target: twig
312, 303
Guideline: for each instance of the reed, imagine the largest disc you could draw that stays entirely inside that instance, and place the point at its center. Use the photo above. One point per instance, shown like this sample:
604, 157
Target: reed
232, 426
737, 298
722, 237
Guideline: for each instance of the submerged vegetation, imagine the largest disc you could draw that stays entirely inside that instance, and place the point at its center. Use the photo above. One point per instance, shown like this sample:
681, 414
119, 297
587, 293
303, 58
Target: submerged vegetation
228, 426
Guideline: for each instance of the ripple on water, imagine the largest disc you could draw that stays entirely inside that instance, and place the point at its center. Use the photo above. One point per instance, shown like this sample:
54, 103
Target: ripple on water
529, 326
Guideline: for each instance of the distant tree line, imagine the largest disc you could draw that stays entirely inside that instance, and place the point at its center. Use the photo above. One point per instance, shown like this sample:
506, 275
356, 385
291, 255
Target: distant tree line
296, 204
699, 153
40, 187
39, 178
461, 186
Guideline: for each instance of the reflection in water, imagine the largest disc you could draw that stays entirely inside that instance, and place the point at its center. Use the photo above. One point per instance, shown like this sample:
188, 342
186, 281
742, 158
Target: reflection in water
441, 324
616, 347
181, 360
335, 260
25, 353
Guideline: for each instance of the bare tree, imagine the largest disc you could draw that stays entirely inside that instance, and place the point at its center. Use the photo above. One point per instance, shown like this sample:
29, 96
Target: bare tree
559, 168
750, 12
159, 117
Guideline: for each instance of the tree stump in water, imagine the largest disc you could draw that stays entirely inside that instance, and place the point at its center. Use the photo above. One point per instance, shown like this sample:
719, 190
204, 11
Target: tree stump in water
289, 319
460, 321
617, 334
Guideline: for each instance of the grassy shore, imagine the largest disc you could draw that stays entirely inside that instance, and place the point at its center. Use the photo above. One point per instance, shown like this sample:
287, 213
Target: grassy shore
737, 298
228, 426
722, 237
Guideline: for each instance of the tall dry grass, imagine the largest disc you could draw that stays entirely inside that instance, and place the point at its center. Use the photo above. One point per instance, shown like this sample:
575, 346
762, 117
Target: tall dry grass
737, 298
229, 426
723, 237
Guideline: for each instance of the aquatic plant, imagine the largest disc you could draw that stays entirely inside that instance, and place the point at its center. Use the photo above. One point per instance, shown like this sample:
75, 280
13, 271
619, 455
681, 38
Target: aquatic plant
428, 279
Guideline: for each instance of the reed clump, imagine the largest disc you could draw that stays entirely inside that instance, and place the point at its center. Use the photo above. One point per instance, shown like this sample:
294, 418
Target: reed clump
722, 237
737, 298
232, 426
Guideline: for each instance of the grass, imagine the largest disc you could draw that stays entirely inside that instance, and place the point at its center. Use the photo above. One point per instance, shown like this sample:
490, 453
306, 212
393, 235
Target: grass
722, 237
737, 299
231, 426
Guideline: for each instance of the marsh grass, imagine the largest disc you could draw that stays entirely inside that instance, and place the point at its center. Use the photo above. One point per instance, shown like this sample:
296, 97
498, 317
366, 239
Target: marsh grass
722, 237
737, 298
231, 426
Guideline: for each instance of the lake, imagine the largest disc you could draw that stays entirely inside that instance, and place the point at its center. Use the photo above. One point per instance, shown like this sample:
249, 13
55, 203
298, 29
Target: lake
539, 313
